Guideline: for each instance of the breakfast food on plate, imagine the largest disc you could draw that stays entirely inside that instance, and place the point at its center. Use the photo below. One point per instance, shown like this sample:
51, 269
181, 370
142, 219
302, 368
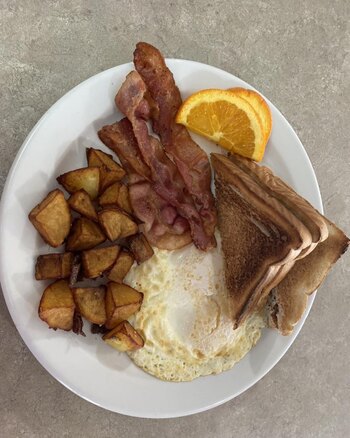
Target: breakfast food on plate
287, 302
52, 218
266, 236
161, 223
171, 311
239, 122
165, 100
81, 202
90, 302
124, 337
140, 248
239, 182
131, 100
98, 158
121, 267
116, 194
87, 178
75, 274
185, 317
116, 224
110, 171
122, 301
260, 106
288, 299
84, 234
54, 266
275, 187
98, 260
57, 306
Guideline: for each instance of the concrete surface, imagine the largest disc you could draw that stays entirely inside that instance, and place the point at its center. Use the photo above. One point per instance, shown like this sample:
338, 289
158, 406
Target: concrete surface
295, 52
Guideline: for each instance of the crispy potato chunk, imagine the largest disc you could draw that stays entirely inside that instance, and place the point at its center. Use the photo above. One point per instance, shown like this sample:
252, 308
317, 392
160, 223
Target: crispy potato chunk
51, 266
57, 306
80, 202
124, 199
116, 194
52, 218
110, 195
108, 177
85, 234
116, 224
96, 261
124, 337
140, 247
121, 302
90, 302
110, 171
87, 178
98, 158
121, 267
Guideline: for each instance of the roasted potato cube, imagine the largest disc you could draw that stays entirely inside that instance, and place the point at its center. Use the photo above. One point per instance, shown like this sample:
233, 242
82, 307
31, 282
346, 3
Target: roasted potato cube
52, 218
50, 266
85, 234
121, 267
124, 337
90, 302
80, 202
116, 194
57, 306
67, 264
121, 302
124, 199
98, 158
110, 195
116, 224
140, 247
87, 178
107, 178
110, 171
96, 261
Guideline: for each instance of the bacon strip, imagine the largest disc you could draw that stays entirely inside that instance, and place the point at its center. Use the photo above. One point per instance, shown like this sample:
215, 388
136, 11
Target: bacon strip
162, 226
191, 160
167, 180
120, 138
161, 223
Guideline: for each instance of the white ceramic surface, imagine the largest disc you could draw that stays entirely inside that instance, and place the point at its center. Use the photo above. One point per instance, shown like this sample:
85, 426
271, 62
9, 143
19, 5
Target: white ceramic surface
85, 365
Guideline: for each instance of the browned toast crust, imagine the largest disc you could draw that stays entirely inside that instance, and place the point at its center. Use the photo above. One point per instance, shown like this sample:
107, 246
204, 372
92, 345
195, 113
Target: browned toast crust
299, 206
287, 301
258, 236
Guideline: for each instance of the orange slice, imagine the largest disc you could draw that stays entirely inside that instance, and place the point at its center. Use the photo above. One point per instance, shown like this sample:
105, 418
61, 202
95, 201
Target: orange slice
260, 106
226, 118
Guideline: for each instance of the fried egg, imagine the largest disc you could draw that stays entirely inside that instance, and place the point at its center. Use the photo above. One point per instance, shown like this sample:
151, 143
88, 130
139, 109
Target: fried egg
185, 317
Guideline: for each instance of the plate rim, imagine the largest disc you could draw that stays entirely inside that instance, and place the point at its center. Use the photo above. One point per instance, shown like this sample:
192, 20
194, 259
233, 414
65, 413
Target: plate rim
6, 193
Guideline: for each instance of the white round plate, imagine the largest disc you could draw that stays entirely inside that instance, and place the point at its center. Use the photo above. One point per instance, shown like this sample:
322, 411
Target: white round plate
87, 366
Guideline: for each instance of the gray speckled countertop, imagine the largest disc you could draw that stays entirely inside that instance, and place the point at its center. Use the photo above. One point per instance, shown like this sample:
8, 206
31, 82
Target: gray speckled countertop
297, 54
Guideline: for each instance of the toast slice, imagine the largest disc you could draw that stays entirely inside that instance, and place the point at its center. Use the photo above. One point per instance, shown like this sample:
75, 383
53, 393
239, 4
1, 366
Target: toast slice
287, 301
259, 235
299, 206
296, 280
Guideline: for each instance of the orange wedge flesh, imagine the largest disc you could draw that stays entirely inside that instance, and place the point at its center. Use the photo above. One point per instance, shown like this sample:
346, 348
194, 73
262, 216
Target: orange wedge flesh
227, 119
260, 106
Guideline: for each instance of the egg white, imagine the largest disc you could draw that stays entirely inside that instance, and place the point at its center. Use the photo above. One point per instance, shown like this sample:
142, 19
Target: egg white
185, 318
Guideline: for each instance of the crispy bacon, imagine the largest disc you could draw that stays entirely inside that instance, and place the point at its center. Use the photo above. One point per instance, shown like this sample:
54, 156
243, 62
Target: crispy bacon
162, 225
167, 180
191, 160
120, 138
